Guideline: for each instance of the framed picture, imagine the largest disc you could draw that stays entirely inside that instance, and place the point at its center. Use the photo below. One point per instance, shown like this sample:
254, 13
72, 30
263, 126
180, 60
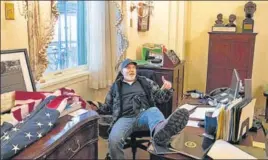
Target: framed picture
16, 73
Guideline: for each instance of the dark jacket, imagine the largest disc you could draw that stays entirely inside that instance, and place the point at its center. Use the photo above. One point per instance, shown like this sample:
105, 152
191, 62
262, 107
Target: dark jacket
113, 99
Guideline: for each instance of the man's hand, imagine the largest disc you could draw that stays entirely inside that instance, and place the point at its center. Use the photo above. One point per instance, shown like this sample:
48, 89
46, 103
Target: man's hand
93, 105
166, 84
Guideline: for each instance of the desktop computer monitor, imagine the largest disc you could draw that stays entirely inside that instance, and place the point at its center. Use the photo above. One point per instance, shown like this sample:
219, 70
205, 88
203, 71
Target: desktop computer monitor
235, 84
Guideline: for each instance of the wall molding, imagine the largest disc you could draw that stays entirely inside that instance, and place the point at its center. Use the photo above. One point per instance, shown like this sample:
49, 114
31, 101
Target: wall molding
176, 27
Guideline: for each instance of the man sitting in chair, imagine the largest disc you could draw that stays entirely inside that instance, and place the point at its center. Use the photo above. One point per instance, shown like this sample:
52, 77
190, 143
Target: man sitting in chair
131, 101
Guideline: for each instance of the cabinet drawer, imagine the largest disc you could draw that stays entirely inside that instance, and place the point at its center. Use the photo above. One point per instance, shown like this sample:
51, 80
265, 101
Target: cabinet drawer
89, 151
75, 142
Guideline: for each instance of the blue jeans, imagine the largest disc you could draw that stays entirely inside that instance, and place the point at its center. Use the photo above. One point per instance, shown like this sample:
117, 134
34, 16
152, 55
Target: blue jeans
146, 120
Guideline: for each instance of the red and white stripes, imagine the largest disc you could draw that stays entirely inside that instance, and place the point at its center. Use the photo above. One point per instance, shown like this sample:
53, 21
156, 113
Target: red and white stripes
26, 102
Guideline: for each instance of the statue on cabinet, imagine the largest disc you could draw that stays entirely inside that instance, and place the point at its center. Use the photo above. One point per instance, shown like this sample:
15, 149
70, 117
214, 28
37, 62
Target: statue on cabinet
248, 23
219, 21
249, 9
232, 18
220, 27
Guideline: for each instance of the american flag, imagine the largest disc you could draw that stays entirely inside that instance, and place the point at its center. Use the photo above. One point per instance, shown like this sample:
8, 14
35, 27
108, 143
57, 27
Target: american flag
33, 116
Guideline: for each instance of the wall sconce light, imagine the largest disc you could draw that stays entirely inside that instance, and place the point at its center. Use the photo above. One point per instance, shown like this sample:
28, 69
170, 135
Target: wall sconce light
144, 11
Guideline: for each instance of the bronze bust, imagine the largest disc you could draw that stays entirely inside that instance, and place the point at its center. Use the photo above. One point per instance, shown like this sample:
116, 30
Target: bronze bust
232, 18
219, 21
249, 9
248, 23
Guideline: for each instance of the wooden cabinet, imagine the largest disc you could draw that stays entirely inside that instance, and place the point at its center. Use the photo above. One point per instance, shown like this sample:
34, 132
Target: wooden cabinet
175, 76
72, 138
226, 52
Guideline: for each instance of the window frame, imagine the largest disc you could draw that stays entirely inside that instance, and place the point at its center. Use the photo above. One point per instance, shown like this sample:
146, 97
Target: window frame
81, 48
65, 72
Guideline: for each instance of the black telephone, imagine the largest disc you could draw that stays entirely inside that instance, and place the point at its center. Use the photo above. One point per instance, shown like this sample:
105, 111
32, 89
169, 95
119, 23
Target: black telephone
217, 91
152, 58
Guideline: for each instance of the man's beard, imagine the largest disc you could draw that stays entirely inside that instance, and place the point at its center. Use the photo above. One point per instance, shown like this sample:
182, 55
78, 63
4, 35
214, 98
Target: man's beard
130, 77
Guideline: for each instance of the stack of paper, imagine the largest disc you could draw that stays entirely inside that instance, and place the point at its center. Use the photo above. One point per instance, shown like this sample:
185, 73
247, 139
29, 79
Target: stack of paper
216, 151
192, 123
188, 107
200, 112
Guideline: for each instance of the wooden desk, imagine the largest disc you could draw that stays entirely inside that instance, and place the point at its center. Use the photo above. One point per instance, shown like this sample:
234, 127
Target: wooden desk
251, 136
72, 138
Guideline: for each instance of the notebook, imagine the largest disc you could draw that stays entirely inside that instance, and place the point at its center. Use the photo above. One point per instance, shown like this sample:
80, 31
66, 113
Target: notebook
191, 145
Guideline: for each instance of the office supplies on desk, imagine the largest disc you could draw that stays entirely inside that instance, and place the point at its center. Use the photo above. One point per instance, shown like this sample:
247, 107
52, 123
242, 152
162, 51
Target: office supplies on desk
192, 123
248, 88
258, 144
235, 120
216, 151
170, 59
201, 124
153, 53
188, 107
199, 112
226, 95
210, 125
141, 62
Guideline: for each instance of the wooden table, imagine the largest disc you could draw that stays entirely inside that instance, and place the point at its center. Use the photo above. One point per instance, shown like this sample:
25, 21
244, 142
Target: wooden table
72, 137
251, 136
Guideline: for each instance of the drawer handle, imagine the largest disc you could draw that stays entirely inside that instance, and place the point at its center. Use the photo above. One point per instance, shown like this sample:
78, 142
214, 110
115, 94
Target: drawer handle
78, 147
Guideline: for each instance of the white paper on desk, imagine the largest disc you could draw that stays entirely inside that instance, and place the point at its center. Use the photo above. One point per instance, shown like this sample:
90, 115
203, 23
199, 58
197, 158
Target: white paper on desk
192, 123
200, 112
216, 151
78, 112
188, 107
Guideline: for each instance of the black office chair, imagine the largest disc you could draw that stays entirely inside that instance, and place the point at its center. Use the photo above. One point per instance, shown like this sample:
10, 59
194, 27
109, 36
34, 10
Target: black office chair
135, 143
131, 141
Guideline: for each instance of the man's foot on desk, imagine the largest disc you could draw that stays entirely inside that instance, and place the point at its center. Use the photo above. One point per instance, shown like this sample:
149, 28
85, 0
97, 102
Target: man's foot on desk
175, 123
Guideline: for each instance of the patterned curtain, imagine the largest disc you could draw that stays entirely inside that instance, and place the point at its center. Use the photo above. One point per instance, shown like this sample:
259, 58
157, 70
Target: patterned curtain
41, 21
121, 30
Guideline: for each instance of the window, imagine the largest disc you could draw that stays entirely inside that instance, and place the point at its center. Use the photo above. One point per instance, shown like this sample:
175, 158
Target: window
68, 47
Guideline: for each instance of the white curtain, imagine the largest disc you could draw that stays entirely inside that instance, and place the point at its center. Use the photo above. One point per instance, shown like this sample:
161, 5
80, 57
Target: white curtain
99, 45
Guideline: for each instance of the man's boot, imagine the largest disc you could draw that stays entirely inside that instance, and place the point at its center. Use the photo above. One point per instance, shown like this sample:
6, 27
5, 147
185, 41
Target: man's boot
175, 123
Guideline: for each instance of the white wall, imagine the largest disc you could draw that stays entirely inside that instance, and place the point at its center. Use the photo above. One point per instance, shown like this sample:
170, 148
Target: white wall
14, 34
167, 16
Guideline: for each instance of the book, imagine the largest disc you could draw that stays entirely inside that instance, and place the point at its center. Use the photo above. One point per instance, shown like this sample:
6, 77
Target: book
191, 145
